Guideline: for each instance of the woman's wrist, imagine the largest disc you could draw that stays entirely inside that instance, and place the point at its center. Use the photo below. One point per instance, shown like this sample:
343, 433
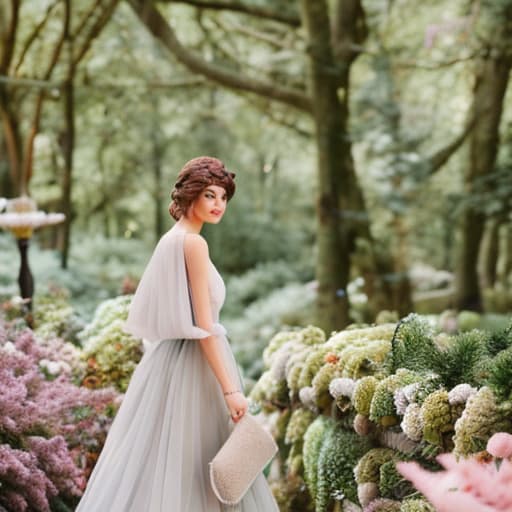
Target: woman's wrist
226, 393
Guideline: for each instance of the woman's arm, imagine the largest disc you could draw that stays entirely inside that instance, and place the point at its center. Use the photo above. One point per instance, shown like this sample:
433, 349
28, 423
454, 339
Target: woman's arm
197, 260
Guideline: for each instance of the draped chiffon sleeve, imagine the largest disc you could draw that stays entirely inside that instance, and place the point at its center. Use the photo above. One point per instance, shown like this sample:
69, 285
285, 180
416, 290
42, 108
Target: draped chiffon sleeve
161, 307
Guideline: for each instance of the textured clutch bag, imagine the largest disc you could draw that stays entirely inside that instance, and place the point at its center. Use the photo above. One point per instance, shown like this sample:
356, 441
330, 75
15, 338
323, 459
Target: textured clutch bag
244, 455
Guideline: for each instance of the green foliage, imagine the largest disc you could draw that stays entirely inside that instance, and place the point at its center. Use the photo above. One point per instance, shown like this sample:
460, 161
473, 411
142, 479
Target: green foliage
294, 369
413, 346
282, 425
481, 418
277, 341
321, 382
392, 484
357, 361
500, 374
499, 340
363, 394
368, 467
433, 417
312, 335
468, 320
54, 316
257, 283
416, 505
382, 408
437, 416
340, 451
249, 333
111, 353
97, 269
426, 385
460, 360
312, 364
313, 439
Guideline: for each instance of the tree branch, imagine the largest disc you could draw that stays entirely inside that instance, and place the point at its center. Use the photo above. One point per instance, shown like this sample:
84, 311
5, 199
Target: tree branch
36, 120
433, 66
51, 85
288, 16
440, 157
255, 34
270, 68
159, 27
349, 29
10, 39
33, 36
87, 16
95, 30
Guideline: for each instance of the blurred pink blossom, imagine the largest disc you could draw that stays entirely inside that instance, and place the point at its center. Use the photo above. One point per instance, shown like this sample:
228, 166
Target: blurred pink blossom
51, 429
470, 485
500, 445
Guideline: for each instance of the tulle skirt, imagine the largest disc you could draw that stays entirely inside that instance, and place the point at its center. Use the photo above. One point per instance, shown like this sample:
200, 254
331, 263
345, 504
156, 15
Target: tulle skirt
172, 422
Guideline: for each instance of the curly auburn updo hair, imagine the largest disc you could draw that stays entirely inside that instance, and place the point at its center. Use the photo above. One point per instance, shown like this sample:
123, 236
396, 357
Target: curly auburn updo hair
195, 175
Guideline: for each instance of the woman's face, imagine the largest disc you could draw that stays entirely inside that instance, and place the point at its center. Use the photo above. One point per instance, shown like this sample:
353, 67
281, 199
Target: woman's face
210, 205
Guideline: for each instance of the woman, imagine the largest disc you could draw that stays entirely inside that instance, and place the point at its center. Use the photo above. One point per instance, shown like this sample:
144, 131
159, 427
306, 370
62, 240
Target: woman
185, 390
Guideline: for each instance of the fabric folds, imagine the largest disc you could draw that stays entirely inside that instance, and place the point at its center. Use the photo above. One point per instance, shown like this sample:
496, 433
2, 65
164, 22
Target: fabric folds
161, 307
173, 418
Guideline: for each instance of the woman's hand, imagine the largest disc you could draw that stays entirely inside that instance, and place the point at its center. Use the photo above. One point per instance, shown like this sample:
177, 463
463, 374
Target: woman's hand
237, 405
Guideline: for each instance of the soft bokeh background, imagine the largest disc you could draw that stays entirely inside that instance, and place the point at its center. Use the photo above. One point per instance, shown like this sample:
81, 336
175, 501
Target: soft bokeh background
371, 141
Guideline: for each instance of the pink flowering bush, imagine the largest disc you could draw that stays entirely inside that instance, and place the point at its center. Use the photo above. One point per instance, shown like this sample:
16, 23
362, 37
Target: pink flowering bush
51, 430
476, 484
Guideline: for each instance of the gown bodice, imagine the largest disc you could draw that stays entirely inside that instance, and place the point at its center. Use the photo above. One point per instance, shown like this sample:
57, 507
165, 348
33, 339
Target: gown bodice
161, 307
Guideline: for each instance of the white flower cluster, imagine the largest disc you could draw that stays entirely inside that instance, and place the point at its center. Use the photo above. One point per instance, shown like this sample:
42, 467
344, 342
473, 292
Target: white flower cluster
404, 396
342, 387
280, 359
460, 394
308, 398
54, 367
412, 422
10, 348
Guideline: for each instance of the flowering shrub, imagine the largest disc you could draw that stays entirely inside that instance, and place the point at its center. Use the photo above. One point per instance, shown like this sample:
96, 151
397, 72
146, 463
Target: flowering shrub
476, 484
110, 352
378, 395
54, 316
51, 430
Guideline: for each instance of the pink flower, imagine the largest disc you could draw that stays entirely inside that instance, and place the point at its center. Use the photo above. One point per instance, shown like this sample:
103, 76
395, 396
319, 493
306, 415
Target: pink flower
49, 427
469, 484
442, 489
500, 445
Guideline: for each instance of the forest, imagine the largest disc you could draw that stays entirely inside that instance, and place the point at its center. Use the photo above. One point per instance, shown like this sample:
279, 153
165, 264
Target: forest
367, 251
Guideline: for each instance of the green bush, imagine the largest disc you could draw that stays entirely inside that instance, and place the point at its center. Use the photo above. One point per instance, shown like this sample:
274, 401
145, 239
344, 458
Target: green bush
110, 352
340, 451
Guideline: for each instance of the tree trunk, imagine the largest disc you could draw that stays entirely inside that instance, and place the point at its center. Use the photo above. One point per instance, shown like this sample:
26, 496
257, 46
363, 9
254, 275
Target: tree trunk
5, 181
490, 87
504, 276
12, 139
68, 142
333, 154
157, 156
489, 252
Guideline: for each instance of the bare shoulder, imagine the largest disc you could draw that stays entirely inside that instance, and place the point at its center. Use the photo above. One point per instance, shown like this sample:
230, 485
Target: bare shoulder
195, 246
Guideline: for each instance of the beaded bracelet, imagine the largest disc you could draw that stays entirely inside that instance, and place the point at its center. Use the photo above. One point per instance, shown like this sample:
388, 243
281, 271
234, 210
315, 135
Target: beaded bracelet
231, 392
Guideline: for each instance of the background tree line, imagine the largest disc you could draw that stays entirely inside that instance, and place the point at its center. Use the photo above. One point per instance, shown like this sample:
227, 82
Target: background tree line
367, 135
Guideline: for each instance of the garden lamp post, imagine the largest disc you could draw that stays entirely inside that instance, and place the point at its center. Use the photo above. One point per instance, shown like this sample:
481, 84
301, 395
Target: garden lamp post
21, 218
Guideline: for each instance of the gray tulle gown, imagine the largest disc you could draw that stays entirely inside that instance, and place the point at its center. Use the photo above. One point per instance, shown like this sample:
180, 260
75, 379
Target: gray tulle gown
173, 417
